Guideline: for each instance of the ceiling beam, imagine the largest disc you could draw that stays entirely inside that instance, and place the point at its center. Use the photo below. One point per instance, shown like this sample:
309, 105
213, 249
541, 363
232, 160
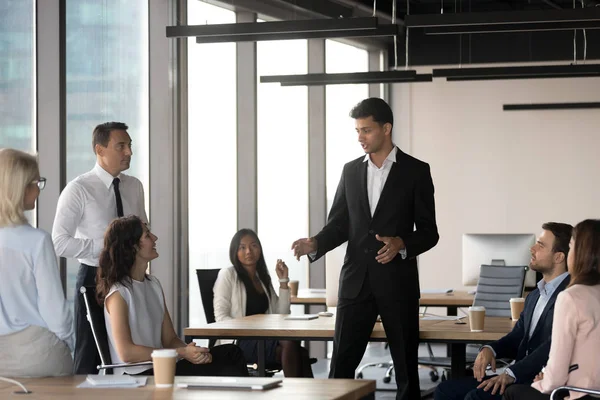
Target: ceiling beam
506, 21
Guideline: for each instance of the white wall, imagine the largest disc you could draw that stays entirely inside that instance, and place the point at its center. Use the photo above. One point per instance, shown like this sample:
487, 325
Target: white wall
498, 171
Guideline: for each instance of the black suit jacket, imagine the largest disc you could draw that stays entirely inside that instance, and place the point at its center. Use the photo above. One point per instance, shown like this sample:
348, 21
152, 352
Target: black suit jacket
531, 355
406, 201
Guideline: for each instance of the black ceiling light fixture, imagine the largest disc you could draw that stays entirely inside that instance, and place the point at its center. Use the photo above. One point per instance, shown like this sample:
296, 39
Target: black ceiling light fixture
281, 30
374, 77
347, 78
523, 72
509, 21
551, 106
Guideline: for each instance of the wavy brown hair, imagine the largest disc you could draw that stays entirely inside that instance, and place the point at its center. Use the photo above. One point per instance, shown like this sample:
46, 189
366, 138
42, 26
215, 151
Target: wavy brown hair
586, 264
121, 241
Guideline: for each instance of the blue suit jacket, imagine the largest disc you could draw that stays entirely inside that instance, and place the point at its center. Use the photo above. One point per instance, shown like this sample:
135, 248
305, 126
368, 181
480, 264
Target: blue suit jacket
531, 355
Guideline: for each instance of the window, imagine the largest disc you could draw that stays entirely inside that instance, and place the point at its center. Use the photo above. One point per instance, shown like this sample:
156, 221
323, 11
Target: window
342, 143
107, 80
282, 156
212, 166
17, 71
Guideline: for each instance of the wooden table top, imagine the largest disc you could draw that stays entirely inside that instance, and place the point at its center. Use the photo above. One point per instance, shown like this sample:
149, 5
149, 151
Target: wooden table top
275, 326
494, 329
308, 296
458, 298
290, 389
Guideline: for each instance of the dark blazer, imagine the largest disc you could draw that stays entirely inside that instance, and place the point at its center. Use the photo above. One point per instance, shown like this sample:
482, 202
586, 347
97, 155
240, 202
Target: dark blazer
531, 355
406, 201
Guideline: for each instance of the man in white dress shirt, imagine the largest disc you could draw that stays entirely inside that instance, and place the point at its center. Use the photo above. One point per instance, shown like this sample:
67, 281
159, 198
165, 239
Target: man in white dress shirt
85, 208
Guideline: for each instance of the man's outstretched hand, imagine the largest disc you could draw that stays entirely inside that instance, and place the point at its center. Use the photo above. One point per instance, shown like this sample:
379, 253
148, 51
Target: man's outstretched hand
303, 247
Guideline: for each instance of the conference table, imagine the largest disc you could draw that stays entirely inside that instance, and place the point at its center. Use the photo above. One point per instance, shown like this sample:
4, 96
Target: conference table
451, 301
290, 389
274, 326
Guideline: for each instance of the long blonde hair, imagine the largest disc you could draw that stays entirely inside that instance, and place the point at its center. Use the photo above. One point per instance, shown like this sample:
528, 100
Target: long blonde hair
17, 170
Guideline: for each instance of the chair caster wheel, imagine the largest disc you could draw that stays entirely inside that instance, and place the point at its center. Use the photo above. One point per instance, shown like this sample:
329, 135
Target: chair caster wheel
387, 379
359, 375
433, 375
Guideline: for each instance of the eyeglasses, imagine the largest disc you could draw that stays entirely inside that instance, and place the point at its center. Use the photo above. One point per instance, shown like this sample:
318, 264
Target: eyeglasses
41, 183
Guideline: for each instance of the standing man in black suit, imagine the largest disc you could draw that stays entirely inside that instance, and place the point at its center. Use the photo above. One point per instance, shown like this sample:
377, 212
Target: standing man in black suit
380, 199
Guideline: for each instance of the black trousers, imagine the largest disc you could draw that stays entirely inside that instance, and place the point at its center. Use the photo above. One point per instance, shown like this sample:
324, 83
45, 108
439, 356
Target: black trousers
227, 360
86, 356
526, 392
353, 327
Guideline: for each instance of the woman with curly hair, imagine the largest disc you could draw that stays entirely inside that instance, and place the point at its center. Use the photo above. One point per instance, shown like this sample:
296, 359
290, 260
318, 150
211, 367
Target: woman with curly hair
136, 315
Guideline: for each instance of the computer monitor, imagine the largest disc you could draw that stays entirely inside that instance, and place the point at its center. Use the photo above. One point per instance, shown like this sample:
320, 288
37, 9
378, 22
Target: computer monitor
491, 248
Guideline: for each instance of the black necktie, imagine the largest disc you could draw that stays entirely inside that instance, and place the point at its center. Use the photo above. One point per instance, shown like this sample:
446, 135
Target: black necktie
118, 197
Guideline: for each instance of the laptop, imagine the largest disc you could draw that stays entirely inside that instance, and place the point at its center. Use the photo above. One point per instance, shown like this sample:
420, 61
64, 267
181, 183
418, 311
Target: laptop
216, 382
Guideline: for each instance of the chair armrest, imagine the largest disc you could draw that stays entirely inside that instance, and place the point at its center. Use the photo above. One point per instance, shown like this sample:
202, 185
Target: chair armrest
574, 389
124, 365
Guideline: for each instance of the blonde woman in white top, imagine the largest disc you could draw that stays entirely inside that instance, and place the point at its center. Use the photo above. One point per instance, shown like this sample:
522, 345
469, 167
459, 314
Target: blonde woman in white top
136, 316
36, 331
246, 289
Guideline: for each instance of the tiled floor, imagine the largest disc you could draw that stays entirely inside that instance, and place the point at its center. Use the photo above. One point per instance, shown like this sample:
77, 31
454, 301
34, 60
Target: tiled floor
378, 354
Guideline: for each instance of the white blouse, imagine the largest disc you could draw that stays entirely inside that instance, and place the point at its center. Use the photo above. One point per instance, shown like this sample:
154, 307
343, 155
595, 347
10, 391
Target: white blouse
230, 297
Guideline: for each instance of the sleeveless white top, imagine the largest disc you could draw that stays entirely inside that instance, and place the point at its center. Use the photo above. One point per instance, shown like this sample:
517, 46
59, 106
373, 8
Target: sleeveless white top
146, 307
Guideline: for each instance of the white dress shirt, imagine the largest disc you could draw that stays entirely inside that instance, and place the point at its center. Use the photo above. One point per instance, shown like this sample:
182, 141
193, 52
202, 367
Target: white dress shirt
376, 178
30, 288
86, 207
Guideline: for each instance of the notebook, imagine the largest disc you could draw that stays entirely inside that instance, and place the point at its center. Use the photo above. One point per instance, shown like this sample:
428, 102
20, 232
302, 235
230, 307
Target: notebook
215, 382
120, 381
303, 317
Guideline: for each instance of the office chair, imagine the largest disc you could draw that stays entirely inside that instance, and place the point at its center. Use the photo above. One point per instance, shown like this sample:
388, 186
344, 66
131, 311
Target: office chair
97, 324
206, 283
555, 392
497, 284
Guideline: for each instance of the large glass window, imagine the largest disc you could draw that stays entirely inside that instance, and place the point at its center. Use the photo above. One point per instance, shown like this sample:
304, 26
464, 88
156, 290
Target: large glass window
342, 140
212, 186
282, 156
107, 80
17, 70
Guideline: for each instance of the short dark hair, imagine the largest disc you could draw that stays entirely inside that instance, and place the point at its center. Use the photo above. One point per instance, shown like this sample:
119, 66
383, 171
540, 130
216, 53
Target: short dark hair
373, 107
562, 236
102, 132
586, 265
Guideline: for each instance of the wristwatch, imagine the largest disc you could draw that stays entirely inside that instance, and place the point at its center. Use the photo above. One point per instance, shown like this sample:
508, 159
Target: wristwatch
284, 280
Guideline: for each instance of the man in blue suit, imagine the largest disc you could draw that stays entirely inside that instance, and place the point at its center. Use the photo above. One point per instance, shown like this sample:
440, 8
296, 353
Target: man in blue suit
529, 341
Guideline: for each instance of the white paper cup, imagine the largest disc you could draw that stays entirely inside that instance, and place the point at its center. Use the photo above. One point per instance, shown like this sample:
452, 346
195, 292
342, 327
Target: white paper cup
477, 318
164, 362
517, 305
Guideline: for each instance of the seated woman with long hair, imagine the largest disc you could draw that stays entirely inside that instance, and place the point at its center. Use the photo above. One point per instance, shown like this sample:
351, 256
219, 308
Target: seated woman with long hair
36, 326
246, 289
573, 359
136, 315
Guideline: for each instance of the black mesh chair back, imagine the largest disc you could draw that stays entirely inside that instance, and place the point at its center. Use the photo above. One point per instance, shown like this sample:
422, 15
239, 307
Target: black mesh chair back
206, 282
